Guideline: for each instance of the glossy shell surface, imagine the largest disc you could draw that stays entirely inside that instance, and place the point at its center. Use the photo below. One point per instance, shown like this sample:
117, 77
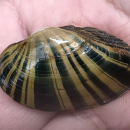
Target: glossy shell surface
67, 68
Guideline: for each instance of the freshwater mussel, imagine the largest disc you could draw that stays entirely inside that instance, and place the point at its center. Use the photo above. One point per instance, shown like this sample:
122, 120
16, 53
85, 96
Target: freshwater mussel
66, 68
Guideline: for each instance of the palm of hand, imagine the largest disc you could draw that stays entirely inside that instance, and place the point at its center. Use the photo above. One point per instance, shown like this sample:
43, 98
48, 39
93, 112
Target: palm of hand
21, 18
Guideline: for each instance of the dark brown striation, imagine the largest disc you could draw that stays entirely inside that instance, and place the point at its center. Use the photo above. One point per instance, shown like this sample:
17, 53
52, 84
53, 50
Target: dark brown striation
67, 68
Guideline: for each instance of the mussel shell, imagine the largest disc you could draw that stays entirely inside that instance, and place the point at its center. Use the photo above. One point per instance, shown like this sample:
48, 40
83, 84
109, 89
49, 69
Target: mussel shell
67, 68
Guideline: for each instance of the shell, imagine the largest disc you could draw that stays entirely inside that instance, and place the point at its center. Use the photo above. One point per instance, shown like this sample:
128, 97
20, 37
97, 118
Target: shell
67, 68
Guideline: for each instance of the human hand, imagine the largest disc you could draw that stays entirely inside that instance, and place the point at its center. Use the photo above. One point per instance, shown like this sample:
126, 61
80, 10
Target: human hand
19, 19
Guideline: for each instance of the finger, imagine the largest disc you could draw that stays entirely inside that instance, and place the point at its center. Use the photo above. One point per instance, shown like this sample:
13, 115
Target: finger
10, 25
107, 15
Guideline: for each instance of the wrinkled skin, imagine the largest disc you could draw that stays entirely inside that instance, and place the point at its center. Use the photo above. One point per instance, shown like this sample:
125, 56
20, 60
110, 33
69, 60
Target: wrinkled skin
20, 18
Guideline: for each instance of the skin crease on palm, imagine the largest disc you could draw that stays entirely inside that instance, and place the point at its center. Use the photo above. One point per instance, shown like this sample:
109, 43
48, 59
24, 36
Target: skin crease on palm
20, 18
